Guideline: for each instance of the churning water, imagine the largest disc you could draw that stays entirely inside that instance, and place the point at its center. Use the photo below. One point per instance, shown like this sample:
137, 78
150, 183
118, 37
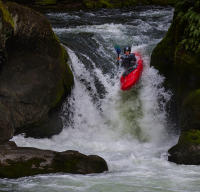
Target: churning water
128, 129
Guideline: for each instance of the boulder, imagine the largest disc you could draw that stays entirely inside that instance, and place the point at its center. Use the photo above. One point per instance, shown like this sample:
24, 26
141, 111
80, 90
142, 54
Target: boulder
187, 151
34, 78
177, 57
23, 161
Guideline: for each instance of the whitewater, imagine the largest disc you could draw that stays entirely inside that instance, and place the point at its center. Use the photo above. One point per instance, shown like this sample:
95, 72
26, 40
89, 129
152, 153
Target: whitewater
130, 130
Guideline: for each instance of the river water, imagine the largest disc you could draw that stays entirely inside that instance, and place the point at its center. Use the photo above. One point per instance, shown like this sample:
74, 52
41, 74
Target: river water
128, 129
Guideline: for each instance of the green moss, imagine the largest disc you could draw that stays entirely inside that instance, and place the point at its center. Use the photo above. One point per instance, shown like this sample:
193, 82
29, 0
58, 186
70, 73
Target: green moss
89, 4
189, 137
188, 12
65, 85
6, 15
105, 4
68, 78
22, 168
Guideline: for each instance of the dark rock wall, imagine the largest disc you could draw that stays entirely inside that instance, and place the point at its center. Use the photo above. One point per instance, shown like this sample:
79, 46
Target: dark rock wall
63, 5
34, 76
6, 32
177, 57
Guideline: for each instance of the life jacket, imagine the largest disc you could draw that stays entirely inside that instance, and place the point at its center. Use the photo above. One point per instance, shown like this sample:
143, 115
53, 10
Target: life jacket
128, 61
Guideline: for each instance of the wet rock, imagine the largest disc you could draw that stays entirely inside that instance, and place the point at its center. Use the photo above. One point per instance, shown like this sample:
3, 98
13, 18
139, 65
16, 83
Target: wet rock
187, 151
6, 31
20, 161
177, 58
190, 116
34, 77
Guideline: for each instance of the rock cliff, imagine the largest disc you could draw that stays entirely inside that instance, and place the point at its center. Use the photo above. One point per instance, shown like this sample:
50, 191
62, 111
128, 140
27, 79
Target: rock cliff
177, 57
34, 75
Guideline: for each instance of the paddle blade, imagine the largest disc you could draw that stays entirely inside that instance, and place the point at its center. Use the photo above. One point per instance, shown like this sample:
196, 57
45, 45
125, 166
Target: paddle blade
117, 49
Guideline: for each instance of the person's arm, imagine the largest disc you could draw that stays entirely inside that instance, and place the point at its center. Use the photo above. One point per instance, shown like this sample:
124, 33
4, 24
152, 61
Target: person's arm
122, 60
118, 60
133, 57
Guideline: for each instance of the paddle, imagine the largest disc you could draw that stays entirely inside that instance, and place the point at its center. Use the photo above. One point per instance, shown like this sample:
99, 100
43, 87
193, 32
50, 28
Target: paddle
118, 50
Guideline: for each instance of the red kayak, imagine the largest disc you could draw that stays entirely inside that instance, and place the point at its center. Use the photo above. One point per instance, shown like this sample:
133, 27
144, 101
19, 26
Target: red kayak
132, 78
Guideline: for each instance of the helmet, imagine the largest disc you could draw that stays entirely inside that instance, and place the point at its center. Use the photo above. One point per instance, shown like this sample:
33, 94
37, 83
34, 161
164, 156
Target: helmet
127, 49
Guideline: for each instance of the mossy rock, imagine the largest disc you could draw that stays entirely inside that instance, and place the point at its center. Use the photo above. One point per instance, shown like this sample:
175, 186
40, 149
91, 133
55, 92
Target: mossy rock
36, 78
187, 151
6, 15
189, 137
18, 162
180, 66
162, 57
190, 117
177, 58
6, 26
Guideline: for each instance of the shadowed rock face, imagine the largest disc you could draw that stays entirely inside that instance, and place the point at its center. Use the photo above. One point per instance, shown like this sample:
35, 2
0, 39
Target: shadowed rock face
63, 5
177, 57
34, 76
6, 32
19, 162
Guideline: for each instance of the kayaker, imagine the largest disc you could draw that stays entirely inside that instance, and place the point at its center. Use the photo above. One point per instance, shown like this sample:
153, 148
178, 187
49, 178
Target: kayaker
128, 59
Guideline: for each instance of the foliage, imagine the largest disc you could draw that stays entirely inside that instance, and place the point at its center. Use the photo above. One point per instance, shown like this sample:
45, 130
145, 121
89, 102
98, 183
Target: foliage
6, 15
190, 137
191, 19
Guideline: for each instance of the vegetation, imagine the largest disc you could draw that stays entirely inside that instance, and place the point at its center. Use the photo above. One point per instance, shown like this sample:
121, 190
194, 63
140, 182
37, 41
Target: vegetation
190, 137
6, 15
177, 57
191, 18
